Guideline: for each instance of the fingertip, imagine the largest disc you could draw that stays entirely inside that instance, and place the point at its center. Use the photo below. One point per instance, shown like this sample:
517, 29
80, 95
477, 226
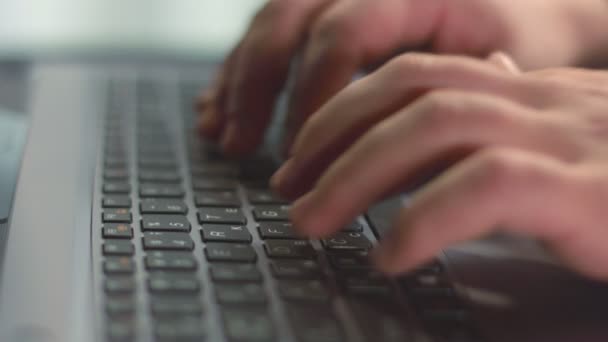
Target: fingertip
383, 257
278, 179
238, 140
285, 179
202, 101
504, 61
229, 138
307, 220
209, 123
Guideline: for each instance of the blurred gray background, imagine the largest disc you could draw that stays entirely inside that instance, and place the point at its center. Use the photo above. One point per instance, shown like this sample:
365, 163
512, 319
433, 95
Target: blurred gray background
188, 28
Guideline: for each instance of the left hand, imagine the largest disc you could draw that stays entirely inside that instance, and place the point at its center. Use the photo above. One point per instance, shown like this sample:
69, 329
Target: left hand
528, 154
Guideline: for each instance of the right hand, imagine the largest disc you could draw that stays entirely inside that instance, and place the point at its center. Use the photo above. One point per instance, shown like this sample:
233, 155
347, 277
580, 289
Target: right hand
337, 38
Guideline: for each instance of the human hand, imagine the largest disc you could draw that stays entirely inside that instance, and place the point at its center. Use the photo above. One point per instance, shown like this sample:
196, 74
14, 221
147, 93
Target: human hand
526, 153
337, 38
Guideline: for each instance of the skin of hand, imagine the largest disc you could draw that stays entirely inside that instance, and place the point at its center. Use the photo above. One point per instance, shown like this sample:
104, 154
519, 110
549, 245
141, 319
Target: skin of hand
526, 153
336, 38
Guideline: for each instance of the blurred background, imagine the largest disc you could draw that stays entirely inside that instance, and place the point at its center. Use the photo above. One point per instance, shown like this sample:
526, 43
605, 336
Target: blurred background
185, 28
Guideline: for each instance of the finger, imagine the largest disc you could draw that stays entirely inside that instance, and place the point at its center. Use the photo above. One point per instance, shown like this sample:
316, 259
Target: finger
346, 38
440, 125
211, 103
211, 119
261, 69
593, 78
506, 189
504, 62
350, 113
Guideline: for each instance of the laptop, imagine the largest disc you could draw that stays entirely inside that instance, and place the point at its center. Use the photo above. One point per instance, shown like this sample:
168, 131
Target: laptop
119, 224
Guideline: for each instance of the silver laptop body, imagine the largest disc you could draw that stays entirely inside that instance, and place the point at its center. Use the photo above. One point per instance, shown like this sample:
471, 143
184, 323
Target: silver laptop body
56, 271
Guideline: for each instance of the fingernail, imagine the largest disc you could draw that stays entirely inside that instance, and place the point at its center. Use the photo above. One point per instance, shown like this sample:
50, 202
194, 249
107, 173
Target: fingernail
384, 255
206, 120
230, 136
281, 179
504, 61
204, 100
301, 212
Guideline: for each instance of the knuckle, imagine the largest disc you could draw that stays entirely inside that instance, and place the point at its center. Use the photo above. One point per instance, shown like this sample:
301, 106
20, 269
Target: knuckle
409, 64
313, 123
272, 10
502, 168
496, 163
265, 32
595, 183
331, 27
377, 137
552, 73
335, 35
439, 111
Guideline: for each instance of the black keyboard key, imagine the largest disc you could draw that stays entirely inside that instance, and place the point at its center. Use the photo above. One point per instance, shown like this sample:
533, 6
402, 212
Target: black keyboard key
161, 190
425, 280
303, 290
454, 332
214, 184
364, 286
225, 233
153, 151
314, 323
170, 261
235, 273
239, 294
116, 188
121, 284
299, 249
432, 268
173, 283
157, 162
353, 227
248, 325
217, 199
120, 305
175, 305
120, 330
116, 216
208, 169
167, 241
347, 242
449, 315
264, 196
116, 231
181, 329
295, 269
174, 223
276, 230
116, 174
115, 162
418, 293
345, 261
116, 202
118, 265
271, 213
118, 247
159, 176
380, 320
221, 215
162, 206
230, 252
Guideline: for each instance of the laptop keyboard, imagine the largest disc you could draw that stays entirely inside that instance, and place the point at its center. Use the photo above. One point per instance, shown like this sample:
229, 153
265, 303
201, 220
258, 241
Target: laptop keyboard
189, 246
